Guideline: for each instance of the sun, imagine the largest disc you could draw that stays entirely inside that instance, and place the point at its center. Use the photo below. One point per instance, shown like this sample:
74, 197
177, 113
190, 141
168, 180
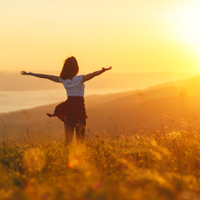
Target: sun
185, 19
187, 22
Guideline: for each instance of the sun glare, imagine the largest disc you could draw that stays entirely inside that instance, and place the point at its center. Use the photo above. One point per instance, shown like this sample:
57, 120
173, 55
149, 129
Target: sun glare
187, 25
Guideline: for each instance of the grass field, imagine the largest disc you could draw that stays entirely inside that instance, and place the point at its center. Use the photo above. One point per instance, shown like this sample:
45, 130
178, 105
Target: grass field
158, 165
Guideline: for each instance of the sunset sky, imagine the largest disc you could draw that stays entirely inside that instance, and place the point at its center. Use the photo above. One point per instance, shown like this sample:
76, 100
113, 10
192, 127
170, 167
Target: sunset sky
130, 35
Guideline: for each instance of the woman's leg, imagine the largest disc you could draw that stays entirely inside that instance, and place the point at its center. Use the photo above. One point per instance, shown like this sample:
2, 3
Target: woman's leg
80, 131
69, 130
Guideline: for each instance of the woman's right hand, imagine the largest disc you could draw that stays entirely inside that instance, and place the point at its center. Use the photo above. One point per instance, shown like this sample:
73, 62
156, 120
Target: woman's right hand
25, 73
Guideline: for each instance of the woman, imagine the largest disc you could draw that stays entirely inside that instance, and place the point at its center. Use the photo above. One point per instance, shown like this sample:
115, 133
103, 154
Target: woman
72, 111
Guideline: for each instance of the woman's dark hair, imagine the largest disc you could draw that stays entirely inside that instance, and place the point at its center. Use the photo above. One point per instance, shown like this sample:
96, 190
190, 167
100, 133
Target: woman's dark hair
70, 68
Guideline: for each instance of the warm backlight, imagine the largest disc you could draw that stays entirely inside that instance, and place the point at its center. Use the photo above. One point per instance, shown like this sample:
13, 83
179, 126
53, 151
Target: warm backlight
187, 25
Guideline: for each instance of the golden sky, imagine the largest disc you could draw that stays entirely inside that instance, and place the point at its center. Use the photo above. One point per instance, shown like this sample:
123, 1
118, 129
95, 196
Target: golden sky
130, 35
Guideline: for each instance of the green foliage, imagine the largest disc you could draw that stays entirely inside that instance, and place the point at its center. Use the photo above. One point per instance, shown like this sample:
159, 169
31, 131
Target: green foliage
139, 167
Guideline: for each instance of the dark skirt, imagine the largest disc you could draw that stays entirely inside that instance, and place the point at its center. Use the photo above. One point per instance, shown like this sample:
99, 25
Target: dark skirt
71, 111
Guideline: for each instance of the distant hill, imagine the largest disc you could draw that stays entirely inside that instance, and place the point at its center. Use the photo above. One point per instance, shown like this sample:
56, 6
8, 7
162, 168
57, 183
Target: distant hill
127, 112
14, 81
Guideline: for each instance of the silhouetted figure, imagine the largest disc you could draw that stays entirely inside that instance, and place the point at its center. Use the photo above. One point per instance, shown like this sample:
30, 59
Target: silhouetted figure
72, 111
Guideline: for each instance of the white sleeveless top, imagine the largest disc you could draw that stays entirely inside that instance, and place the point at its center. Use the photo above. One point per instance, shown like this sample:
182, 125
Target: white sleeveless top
74, 87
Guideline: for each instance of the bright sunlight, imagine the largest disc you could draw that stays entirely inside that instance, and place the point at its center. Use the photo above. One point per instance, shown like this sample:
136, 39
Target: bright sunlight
186, 24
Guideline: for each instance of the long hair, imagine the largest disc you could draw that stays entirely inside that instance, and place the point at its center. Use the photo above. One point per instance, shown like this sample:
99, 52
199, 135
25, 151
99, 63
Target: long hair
70, 68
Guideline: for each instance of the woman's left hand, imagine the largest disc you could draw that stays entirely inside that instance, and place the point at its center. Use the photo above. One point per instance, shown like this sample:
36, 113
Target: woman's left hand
105, 69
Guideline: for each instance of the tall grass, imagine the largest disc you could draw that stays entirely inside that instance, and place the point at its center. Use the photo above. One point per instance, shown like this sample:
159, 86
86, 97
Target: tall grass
156, 165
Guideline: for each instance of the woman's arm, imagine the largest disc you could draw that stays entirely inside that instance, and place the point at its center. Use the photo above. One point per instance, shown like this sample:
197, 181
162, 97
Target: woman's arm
92, 75
50, 77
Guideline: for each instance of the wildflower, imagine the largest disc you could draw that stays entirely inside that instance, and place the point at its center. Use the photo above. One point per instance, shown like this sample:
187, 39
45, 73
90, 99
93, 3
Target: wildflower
44, 196
97, 185
121, 168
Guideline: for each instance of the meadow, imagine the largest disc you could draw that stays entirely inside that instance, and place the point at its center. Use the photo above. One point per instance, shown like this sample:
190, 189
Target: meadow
159, 164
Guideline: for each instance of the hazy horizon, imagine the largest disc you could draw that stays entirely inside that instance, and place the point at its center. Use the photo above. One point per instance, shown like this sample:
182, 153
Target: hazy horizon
31, 92
14, 81
132, 110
